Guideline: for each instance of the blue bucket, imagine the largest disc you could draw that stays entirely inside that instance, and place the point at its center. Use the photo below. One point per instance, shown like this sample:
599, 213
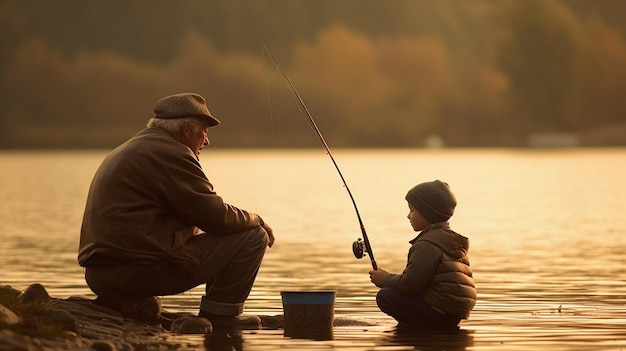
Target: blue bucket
309, 314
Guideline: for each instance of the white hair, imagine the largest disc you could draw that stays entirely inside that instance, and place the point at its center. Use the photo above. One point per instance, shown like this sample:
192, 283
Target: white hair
173, 125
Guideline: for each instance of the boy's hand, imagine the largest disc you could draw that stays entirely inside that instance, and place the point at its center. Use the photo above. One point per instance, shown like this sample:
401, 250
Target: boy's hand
378, 277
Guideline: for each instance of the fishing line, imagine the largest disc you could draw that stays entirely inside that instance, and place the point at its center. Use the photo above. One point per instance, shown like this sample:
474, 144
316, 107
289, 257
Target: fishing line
269, 98
357, 247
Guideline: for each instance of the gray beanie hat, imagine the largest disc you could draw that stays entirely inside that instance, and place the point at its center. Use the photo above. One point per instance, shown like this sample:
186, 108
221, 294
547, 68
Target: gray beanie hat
184, 105
433, 200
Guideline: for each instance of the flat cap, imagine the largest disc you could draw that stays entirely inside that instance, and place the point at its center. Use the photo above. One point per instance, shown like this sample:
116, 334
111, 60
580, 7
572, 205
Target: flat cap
184, 105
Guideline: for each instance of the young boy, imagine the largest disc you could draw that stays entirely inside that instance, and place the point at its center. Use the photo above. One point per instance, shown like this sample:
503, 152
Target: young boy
436, 289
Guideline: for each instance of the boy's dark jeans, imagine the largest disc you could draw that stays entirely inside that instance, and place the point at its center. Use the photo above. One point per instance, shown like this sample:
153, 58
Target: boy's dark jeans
413, 311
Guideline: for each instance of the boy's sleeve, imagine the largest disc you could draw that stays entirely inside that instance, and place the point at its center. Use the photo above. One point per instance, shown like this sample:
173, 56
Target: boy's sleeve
423, 260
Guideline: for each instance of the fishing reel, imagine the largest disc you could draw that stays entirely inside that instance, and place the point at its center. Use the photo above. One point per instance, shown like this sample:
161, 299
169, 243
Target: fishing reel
359, 249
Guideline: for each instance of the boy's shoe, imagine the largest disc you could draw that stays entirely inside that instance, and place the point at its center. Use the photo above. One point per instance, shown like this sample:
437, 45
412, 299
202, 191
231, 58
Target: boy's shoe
243, 322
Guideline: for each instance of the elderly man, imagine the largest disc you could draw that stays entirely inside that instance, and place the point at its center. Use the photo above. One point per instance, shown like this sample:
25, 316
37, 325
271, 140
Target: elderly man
153, 225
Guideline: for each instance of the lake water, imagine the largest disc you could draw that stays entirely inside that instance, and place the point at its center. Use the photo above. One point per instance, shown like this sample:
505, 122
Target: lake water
547, 233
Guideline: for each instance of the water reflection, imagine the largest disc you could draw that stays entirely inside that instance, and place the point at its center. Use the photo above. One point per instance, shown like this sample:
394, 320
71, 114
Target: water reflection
224, 340
458, 340
317, 334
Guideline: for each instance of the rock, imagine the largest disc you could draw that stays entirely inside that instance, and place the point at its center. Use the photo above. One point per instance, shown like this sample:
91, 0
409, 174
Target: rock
273, 322
144, 309
8, 317
102, 345
9, 292
35, 292
349, 322
192, 325
14, 341
63, 318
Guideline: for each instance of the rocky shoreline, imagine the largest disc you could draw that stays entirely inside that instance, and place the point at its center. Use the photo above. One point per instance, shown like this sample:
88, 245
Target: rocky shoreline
81, 324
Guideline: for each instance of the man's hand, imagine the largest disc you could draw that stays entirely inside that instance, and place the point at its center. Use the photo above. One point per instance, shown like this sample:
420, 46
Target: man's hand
270, 233
378, 277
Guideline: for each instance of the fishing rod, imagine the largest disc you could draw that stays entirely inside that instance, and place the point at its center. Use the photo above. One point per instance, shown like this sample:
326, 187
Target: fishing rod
359, 248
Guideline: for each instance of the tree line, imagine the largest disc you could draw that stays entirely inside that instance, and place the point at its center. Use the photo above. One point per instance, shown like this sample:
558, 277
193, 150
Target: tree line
373, 73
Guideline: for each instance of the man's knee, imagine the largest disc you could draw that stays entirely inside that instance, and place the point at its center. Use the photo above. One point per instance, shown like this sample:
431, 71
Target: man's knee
258, 237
